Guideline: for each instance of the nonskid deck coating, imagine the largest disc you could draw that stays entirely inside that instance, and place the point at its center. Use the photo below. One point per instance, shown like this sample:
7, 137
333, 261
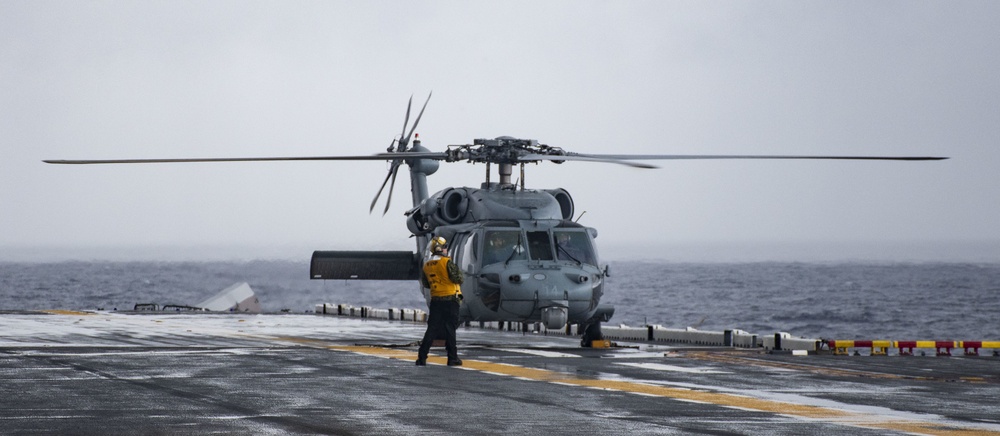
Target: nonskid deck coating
85, 372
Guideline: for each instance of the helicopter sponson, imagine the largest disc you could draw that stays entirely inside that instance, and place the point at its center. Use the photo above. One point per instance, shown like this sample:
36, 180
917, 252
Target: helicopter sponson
494, 202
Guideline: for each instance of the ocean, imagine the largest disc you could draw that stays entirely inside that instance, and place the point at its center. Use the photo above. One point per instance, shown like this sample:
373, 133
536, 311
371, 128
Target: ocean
857, 300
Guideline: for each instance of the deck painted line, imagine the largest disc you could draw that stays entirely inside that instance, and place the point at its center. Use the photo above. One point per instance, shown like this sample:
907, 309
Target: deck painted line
792, 410
742, 360
673, 368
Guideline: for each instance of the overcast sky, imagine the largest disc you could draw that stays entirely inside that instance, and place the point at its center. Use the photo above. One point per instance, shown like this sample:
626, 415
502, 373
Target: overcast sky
148, 79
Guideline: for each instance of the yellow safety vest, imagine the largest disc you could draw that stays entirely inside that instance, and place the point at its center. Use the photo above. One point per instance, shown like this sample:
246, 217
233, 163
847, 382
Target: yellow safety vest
436, 271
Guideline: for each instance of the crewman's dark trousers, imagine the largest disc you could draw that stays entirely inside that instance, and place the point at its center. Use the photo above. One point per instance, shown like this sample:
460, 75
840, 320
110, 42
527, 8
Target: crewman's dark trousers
442, 322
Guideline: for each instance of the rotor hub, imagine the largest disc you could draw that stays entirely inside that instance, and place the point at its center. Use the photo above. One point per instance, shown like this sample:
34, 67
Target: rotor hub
504, 150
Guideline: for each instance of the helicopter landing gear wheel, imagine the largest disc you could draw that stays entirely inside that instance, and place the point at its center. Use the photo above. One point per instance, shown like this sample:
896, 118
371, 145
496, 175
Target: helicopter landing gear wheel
591, 333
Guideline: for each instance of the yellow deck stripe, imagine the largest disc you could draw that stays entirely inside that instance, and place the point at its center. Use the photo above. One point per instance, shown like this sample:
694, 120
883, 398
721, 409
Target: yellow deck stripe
66, 312
728, 400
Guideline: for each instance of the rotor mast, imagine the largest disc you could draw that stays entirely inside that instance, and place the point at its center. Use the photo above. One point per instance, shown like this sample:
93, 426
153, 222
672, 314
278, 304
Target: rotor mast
505, 170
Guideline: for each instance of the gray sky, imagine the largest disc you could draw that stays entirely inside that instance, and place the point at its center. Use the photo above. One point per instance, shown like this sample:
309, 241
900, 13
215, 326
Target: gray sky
154, 79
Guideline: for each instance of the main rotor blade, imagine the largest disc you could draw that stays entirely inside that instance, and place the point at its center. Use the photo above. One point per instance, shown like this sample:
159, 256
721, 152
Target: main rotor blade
740, 156
379, 156
417, 121
626, 159
534, 157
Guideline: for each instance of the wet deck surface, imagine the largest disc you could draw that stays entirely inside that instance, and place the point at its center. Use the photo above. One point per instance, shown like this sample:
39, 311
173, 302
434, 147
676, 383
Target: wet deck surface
87, 373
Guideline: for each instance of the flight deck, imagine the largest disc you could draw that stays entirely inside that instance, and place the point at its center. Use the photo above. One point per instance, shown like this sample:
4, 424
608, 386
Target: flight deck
67, 372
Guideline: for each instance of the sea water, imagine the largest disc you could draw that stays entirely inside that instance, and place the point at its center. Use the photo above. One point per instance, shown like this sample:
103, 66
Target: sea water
858, 300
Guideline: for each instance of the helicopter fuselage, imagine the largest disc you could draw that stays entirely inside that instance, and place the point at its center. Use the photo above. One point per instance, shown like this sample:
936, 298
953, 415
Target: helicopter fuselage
523, 258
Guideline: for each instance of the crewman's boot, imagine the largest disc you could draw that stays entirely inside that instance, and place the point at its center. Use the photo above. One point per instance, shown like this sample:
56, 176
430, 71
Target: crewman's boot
421, 361
455, 362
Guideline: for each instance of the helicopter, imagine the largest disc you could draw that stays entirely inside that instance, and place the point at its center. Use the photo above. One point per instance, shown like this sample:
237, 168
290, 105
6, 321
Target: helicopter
525, 258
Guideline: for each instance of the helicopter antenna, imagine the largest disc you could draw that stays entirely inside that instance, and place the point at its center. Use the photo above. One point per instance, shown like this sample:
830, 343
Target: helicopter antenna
580, 216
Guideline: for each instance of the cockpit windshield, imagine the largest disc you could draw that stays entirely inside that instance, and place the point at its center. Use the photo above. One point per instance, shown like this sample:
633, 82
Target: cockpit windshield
502, 246
566, 245
539, 246
574, 246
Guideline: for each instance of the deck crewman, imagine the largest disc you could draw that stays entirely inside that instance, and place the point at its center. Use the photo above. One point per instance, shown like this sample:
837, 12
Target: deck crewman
443, 278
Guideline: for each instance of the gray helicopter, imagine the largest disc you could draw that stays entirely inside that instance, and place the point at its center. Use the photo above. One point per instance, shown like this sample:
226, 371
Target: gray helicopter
525, 259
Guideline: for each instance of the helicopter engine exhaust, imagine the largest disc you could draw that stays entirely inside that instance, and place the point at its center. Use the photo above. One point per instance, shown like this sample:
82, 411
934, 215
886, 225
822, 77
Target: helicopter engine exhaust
467, 205
565, 202
454, 204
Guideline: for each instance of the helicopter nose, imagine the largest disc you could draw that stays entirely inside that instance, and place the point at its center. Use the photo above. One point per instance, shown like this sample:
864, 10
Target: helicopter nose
527, 292
563, 280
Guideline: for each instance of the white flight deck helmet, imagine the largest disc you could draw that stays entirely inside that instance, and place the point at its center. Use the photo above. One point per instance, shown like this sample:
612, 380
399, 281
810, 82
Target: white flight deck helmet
438, 245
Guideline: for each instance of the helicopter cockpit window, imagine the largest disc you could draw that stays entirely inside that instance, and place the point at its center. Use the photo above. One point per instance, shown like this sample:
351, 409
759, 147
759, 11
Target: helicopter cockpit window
467, 256
574, 246
503, 245
539, 246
